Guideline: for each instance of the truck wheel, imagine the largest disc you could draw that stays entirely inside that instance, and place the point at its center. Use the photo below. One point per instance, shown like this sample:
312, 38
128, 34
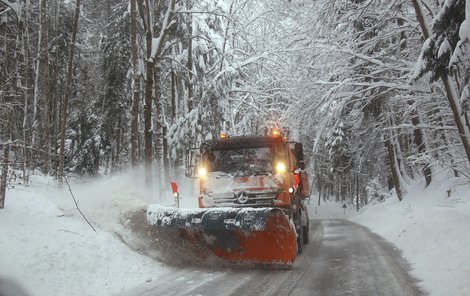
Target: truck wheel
300, 239
305, 230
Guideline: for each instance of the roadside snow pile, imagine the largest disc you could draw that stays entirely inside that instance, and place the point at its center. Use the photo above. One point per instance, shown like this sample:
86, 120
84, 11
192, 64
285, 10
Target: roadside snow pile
432, 230
49, 249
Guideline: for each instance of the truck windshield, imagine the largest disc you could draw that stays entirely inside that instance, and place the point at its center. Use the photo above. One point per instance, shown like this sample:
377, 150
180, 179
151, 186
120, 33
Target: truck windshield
240, 162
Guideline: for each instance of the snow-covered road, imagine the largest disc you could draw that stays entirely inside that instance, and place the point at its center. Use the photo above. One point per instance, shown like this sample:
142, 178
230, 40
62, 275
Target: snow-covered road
48, 249
342, 258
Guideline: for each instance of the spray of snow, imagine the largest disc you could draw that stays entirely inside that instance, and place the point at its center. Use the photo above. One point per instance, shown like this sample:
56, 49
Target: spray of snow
49, 249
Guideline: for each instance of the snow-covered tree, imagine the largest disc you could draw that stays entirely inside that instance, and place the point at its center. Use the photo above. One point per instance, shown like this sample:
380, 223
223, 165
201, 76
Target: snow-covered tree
447, 33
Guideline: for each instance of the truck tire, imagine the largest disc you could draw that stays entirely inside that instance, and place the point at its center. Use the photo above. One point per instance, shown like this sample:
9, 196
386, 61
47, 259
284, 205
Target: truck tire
300, 231
305, 231
300, 240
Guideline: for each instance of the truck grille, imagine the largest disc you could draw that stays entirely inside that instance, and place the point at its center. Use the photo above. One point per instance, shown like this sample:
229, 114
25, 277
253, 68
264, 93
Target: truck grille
253, 198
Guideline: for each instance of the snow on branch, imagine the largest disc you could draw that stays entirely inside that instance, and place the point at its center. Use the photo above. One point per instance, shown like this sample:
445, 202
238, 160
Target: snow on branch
421, 126
217, 13
369, 85
462, 50
5, 11
157, 43
13, 6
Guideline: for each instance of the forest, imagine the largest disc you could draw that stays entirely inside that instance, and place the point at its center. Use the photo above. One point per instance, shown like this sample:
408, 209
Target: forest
377, 90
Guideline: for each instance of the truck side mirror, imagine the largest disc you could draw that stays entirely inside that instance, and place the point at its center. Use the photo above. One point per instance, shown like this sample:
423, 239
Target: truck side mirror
299, 155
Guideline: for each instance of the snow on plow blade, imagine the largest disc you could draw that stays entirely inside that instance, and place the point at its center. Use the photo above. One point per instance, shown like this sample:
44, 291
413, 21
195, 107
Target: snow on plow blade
260, 236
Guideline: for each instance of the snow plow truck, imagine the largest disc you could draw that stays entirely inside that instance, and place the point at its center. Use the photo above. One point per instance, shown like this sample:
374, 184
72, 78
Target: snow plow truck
252, 192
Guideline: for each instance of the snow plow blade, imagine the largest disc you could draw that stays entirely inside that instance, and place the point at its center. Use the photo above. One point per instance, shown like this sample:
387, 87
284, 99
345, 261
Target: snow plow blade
258, 236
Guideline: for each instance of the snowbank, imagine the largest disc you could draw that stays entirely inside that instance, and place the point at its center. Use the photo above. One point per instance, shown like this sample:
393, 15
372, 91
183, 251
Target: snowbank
50, 250
432, 230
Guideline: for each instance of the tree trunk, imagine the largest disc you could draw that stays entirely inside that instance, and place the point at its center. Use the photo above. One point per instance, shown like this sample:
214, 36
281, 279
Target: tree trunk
320, 186
136, 88
166, 158
186, 82
39, 72
148, 151
189, 64
46, 130
48, 96
117, 164
337, 190
467, 119
148, 124
153, 58
364, 193
394, 138
394, 168
421, 20
5, 160
419, 142
457, 111
67, 91
172, 163
225, 38
24, 87
357, 192
58, 98
3, 181
174, 95
159, 122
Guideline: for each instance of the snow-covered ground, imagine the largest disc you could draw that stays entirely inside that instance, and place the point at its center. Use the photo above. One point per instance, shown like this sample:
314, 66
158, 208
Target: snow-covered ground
49, 249
432, 230
329, 209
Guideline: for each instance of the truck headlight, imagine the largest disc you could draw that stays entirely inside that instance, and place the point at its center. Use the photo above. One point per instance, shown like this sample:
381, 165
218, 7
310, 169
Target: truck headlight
202, 172
280, 167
